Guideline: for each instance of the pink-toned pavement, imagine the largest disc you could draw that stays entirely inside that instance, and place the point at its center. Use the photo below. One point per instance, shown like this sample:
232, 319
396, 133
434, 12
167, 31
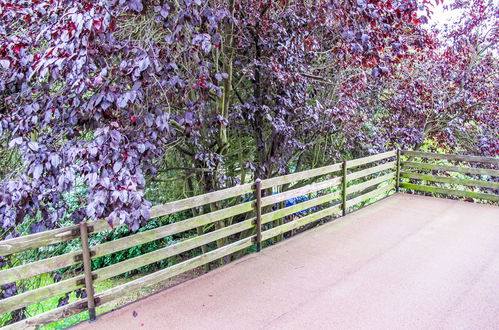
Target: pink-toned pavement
406, 262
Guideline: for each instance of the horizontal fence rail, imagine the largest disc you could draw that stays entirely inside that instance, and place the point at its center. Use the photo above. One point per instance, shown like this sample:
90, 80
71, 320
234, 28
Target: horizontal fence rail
240, 220
446, 175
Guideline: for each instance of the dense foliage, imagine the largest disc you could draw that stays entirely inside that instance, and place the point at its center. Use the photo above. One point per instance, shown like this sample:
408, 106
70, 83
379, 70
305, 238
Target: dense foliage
109, 106
449, 92
109, 97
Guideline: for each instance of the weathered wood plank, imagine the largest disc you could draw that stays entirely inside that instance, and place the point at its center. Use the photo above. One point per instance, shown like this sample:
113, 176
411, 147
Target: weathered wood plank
370, 183
369, 195
117, 292
452, 180
285, 179
300, 222
371, 159
37, 295
66, 260
460, 158
127, 288
188, 203
161, 275
64, 234
40, 294
458, 169
170, 229
170, 251
38, 267
49, 237
272, 216
133, 285
452, 192
272, 199
49, 317
372, 170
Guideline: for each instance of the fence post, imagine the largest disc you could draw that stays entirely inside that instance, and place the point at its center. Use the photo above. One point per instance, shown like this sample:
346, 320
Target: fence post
344, 188
258, 208
397, 179
87, 266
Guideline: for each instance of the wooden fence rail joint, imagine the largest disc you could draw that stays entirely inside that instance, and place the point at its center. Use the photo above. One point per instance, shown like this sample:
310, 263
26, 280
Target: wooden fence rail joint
79, 257
81, 281
83, 305
75, 233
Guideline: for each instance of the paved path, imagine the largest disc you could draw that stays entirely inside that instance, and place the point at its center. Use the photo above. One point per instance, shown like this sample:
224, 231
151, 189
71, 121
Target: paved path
407, 262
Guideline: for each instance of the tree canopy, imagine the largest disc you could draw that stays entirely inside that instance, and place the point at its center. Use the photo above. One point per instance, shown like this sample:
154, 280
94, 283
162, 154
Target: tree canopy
112, 97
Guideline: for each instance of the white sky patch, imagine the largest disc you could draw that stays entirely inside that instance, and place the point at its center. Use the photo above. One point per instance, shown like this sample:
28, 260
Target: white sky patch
441, 17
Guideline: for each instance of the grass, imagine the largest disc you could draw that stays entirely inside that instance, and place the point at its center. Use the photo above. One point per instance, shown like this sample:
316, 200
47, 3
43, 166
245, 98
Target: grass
51, 304
108, 284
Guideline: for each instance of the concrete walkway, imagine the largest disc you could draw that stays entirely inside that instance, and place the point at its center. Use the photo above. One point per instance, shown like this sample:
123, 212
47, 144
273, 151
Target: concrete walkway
407, 262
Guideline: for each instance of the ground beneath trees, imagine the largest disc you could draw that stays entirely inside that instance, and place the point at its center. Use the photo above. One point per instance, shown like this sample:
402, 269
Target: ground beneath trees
407, 262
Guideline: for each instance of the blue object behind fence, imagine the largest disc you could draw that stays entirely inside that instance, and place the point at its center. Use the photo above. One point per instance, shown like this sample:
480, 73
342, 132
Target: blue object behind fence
297, 200
291, 202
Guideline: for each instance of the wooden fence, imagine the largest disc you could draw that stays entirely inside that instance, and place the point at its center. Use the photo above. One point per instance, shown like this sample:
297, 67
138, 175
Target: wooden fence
244, 217
426, 172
